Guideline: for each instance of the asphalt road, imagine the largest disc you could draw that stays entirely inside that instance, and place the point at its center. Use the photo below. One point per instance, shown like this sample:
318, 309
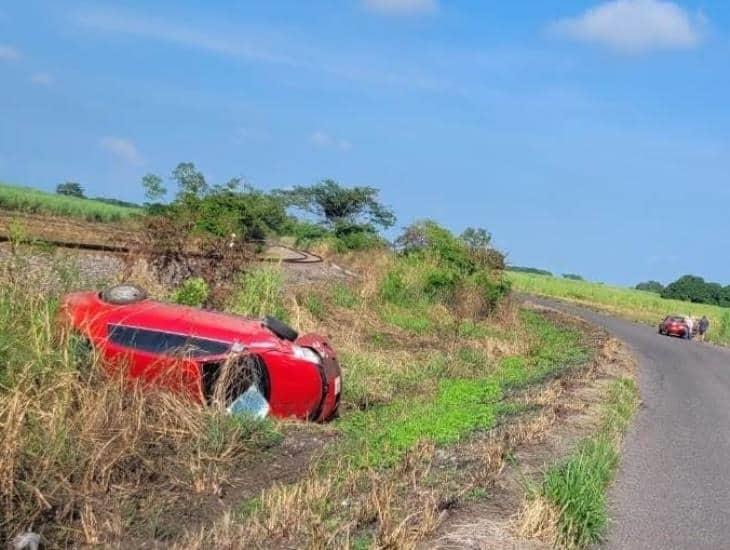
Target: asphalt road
673, 487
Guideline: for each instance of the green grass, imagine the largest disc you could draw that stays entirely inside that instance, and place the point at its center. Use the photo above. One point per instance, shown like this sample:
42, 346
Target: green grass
34, 201
380, 436
637, 305
260, 293
577, 487
414, 319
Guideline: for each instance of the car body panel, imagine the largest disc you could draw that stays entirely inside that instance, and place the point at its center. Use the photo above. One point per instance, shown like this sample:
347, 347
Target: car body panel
297, 387
674, 325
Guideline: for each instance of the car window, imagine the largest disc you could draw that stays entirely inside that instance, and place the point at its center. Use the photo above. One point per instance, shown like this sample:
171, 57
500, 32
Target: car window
164, 343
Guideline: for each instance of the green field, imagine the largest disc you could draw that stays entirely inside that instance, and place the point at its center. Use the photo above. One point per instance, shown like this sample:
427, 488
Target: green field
34, 201
637, 305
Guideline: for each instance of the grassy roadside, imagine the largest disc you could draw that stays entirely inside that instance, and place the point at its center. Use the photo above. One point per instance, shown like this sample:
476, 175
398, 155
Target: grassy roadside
636, 305
569, 504
429, 365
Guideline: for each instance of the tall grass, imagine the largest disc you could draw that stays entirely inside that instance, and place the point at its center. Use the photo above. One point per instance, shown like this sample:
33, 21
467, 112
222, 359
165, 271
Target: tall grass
637, 305
87, 458
260, 293
571, 501
34, 201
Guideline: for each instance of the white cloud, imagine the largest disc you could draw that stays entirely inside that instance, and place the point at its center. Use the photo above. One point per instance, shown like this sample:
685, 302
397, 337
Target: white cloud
268, 46
634, 26
402, 7
325, 141
123, 149
164, 31
8, 53
42, 79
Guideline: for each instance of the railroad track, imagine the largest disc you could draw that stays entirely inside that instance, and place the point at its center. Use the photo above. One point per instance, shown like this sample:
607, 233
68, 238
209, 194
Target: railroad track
282, 253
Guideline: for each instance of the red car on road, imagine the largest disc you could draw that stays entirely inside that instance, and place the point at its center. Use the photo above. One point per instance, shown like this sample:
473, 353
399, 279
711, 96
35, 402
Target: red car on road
674, 325
193, 350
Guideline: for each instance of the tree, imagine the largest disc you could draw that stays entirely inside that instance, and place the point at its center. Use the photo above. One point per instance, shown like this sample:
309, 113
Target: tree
190, 180
341, 207
651, 286
572, 276
70, 189
692, 288
154, 189
477, 238
533, 270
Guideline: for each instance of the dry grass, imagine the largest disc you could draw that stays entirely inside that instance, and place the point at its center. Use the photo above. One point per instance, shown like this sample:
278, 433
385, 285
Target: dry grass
89, 459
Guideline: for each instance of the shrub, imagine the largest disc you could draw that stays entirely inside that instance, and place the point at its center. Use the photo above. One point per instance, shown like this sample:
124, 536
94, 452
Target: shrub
533, 270
394, 289
193, 292
362, 238
651, 286
438, 267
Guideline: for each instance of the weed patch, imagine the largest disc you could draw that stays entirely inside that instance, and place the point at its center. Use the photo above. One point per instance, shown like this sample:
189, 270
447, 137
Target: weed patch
260, 293
571, 500
380, 436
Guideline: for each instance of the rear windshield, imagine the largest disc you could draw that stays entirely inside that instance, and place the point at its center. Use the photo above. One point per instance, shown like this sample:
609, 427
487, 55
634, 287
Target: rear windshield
165, 343
677, 319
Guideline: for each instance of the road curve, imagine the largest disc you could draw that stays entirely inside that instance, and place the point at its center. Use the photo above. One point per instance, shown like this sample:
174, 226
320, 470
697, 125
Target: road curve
673, 488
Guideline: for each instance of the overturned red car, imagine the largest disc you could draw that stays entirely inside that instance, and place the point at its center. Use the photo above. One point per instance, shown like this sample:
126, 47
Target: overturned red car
192, 350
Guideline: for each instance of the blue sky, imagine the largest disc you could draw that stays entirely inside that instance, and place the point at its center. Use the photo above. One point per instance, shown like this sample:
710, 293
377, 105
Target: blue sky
587, 136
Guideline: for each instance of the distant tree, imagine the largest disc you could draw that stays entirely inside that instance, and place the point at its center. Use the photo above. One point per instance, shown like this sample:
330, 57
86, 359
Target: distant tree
477, 238
692, 288
651, 286
572, 276
154, 188
341, 208
70, 189
116, 202
190, 180
533, 270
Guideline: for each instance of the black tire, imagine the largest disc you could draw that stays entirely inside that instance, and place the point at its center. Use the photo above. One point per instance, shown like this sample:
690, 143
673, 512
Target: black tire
123, 294
281, 329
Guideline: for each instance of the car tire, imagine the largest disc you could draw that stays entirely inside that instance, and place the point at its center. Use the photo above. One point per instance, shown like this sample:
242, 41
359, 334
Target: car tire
281, 329
123, 294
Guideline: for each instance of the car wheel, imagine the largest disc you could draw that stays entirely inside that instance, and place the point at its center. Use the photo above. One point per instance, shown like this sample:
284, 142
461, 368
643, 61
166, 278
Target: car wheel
225, 381
281, 329
123, 294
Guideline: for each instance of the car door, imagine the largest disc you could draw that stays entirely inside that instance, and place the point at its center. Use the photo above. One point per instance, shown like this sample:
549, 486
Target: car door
149, 355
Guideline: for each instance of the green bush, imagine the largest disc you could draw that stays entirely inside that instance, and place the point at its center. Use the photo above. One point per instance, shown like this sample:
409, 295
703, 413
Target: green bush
439, 283
492, 289
357, 240
438, 267
193, 292
651, 286
394, 289
305, 233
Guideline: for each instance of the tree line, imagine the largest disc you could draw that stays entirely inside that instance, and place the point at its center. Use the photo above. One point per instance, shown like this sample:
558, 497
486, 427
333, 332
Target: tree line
690, 288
